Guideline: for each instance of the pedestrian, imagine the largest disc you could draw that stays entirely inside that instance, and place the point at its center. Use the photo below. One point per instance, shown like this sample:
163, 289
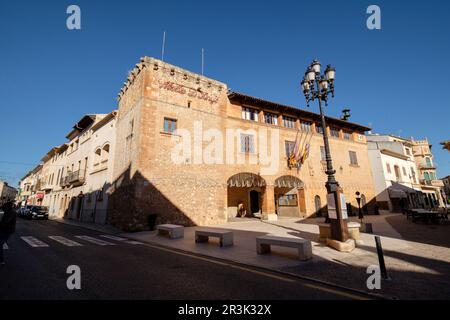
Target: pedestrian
7, 227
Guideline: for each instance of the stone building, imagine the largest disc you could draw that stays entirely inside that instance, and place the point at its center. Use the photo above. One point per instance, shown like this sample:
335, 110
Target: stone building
192, 152
7, 193
430, 184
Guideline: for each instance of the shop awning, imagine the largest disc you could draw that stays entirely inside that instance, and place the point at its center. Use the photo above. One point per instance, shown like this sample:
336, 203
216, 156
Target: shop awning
397, 190
289, 182
246, 180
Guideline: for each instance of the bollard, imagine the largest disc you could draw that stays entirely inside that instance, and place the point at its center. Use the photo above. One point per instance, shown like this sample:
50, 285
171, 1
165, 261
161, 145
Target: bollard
381, 258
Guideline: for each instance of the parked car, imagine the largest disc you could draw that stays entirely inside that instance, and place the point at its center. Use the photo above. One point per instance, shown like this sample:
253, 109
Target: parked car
23, 211
35, 212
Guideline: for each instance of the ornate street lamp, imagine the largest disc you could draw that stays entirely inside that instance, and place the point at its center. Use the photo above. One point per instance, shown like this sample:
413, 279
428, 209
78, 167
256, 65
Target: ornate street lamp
317, 87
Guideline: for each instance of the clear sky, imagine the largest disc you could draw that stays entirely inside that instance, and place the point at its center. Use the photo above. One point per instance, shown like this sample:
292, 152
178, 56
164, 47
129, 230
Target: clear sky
394, 79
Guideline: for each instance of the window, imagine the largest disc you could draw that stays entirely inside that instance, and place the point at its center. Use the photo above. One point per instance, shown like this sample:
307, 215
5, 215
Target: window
347, 135
249, 114
170, 125
305, 126
404, 171
334, 132
289, 146
288, 200
388, 167
323, 156
426, 176
105, 153
397, 172
432, 176
428, 162
413, 174
288, 122
408, 151
319, 129
247, 143
353, 158
270, 118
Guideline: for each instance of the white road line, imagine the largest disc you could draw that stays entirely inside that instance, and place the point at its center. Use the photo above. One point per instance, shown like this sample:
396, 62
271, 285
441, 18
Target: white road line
5, 246
35, 243
95, 241
65, 241
132, 242
107, 236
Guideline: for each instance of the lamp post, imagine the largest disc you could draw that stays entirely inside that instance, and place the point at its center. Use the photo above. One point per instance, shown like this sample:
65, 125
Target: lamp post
360, 213
317, 87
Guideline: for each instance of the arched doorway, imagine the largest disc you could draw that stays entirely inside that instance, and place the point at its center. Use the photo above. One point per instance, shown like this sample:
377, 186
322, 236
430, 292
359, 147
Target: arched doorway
289, 196
244, 195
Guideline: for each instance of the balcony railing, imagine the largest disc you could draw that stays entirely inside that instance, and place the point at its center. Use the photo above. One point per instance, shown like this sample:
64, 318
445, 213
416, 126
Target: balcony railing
433, 183
76, 177
73, 178
427, 166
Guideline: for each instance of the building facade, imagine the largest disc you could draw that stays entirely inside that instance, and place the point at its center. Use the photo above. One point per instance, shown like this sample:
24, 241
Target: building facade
73, 178
446, 190
430, 184
193, 153
7, 193
394, 171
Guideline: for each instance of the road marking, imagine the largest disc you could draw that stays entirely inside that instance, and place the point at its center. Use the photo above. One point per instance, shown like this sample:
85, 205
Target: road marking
95, 241
132, 242
107, 236
35, 243
65, 241
5, 246
123, 240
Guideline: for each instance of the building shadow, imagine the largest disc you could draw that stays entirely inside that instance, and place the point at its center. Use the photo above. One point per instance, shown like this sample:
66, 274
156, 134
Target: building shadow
134, 200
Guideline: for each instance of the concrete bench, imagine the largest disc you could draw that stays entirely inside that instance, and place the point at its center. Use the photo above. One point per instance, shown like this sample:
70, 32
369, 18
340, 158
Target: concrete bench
172, 230
225, 237
304, 247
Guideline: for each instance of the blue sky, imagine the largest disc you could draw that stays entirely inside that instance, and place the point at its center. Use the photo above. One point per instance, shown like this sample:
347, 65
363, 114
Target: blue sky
394, 79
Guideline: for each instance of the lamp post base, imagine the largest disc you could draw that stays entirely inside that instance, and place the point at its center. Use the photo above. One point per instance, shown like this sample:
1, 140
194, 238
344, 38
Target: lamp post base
338, 215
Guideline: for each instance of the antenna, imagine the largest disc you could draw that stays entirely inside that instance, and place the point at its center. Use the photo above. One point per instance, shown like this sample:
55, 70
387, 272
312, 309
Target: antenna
203, 60
163, 46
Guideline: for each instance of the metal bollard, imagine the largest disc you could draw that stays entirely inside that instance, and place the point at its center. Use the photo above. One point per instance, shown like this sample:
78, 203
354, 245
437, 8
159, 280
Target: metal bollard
381, 258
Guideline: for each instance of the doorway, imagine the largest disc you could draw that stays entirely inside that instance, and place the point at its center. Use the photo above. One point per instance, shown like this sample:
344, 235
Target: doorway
254, 202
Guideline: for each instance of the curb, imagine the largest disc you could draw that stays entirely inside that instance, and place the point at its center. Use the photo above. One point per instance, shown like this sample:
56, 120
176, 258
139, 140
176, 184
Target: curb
238, 263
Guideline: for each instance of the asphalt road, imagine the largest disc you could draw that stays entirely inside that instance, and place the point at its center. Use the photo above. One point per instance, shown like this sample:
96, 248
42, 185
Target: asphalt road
129, 270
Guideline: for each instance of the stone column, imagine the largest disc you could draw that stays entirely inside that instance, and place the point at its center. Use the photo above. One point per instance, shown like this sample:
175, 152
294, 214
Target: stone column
268, 204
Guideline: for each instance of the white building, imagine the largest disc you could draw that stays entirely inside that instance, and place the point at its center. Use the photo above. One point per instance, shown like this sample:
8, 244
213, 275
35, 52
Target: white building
394, 172
76, 175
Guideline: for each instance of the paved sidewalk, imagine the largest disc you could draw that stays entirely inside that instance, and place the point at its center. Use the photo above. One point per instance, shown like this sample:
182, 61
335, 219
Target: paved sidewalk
417, 270
417, 256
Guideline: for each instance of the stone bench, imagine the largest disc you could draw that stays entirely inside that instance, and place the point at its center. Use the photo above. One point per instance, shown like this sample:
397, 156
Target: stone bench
172, 230
304, 247
225, 237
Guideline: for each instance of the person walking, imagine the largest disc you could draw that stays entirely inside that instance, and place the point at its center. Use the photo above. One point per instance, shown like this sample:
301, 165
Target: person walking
7, 227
